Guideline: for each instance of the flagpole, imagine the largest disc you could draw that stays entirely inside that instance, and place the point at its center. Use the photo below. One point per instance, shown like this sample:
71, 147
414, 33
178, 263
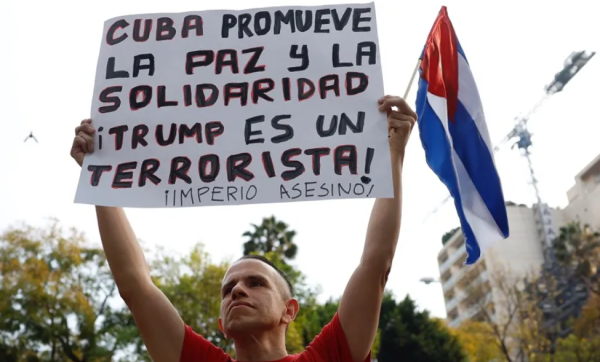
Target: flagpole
412, 79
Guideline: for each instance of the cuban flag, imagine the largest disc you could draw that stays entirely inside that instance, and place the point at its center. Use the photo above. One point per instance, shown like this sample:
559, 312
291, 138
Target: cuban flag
455, 137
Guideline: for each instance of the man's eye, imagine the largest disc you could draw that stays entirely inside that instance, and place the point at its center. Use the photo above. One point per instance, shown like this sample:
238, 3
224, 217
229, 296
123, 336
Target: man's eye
256, 284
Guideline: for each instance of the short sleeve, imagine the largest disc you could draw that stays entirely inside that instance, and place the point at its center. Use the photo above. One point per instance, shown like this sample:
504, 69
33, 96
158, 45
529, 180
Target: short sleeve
330, 345
197, 349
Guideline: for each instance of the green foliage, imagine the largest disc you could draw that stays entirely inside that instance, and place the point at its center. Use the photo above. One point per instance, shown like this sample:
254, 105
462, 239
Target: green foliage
271, 235
583, 345
313, 317
577, 248
55, 299
479, 341
56, 302
410, 335
193, 285
576, 349
448, 235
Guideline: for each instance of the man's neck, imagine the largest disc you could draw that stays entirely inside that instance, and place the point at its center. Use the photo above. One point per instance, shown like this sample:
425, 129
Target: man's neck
260, 346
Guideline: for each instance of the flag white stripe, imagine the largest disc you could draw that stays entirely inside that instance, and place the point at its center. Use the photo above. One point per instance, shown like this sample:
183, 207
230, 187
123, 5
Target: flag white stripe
477, 214
469, 97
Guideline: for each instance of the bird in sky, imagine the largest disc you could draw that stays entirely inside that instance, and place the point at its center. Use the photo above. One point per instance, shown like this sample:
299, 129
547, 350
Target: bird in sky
31, 136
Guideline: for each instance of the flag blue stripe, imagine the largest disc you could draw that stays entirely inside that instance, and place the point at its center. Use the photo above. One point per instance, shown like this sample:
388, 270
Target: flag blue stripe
439, 158
479, 164
460, 50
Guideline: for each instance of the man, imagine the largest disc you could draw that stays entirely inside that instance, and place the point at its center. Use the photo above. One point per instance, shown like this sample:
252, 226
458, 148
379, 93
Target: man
257, 301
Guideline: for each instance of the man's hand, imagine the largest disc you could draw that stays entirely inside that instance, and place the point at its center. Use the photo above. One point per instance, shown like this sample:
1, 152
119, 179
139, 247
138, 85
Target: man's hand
160, 326
84, 141
400, 123
361, 303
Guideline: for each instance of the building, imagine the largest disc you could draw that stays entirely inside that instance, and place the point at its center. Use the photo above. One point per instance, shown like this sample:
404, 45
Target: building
584, 196
521, 255
570, 294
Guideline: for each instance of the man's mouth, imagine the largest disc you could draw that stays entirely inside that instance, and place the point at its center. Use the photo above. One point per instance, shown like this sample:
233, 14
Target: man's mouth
240, 305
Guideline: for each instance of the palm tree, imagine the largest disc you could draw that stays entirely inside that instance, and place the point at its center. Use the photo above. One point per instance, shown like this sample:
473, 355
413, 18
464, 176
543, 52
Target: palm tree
578, 248
271, 235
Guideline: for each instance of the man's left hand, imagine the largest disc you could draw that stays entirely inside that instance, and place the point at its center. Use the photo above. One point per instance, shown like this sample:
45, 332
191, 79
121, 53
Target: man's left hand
400, 122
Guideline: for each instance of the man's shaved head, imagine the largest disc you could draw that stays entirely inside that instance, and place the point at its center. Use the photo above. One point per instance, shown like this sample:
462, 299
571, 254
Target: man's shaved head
288, 287
256, 295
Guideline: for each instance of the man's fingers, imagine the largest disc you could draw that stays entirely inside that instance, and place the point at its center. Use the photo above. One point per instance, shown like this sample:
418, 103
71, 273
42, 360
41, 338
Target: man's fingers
89, 142
397, 123
387, 102
85, 128
391, 101
80, 142
397, 119
401, 127
83, 142
401, 116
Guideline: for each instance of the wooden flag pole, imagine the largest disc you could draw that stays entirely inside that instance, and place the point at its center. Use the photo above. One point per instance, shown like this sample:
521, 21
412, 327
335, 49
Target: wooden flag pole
412, 79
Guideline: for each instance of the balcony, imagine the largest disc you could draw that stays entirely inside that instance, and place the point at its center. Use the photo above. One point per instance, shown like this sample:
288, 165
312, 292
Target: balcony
454, 301
460, 296
452, 259
453, 280
471, 312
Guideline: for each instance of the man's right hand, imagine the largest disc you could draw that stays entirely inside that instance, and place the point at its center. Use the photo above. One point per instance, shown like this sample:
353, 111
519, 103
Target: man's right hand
84, 141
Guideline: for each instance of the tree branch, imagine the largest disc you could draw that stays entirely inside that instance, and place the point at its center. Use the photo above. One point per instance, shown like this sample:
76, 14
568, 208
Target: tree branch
68, 350
103, 305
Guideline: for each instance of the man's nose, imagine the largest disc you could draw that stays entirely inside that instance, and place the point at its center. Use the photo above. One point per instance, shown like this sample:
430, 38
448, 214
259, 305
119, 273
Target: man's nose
238, 292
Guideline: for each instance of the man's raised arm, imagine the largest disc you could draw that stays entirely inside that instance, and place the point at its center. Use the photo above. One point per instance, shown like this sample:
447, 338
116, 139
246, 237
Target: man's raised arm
160, 326
361, 303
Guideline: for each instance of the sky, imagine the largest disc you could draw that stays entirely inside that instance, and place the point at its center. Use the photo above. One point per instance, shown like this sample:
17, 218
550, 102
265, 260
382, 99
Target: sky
47, 71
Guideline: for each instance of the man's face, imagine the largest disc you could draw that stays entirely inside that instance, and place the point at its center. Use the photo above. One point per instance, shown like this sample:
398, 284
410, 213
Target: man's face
254, 298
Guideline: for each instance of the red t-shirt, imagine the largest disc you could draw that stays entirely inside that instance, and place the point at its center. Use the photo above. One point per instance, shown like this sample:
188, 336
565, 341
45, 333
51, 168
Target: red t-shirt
329, 346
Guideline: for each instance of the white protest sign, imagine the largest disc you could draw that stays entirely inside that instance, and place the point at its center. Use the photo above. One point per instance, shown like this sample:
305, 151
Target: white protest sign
238, 107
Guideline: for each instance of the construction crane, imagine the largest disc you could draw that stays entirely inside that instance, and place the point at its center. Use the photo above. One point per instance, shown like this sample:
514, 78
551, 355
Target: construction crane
571, 66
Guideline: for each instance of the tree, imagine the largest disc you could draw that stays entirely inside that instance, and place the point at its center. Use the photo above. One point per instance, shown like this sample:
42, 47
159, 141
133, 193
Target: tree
271, 235
447, 235
55, 299
538, 312
193, 285
577, 248
588, 324
575, 349
515, 316
503, 325
583, 345
409, 335
478, 341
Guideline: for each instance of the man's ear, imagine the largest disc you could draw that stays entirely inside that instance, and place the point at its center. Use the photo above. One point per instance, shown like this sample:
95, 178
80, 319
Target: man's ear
291, 310
221, 327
